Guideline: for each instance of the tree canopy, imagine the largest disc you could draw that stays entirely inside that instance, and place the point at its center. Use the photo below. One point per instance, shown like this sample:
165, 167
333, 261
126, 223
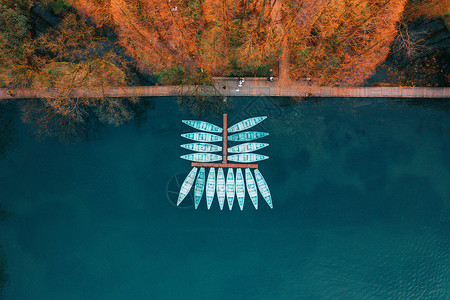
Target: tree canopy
72, 54
336, 41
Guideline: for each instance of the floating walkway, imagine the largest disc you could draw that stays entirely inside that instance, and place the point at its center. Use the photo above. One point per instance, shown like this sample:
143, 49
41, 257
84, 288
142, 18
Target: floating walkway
251, 87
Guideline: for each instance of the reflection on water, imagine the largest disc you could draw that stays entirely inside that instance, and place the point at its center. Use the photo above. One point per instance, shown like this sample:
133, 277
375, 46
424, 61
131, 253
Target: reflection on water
3, 276
360, 191
8, 115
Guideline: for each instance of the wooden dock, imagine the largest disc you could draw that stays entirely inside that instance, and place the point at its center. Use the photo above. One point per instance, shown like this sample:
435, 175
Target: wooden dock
251, 87
224, 163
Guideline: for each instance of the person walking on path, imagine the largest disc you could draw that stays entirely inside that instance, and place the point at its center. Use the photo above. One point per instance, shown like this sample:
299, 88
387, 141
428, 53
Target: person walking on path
241, 81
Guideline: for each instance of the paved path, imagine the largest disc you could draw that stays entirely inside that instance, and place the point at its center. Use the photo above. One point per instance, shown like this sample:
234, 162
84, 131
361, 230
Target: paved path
283, 65
251, 87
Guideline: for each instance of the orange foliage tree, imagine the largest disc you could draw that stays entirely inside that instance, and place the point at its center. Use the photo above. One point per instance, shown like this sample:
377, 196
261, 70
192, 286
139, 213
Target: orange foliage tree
221, 37
335, 41
70, 56
340, 42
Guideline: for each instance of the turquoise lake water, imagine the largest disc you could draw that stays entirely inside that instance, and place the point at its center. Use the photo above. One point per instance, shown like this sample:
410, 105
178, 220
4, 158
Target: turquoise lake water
360, 187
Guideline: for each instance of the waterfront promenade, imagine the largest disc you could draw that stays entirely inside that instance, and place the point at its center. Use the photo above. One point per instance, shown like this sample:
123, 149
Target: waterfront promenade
251, 87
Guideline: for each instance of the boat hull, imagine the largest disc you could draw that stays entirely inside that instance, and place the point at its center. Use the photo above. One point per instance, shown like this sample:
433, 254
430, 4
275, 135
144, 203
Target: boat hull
247, 136
210, 187
263, 187
220, 188
186, 186
247, 157
203, 126
246, 124
230, 188
240, 188
202, 157
251, 187
199, 187
247, 147
202, 137
201, 147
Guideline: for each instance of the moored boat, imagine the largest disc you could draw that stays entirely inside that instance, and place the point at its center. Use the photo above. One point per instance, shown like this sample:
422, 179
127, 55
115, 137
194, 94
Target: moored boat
202, 147
210, 187
199, 187
202, 137
186, 186
230, 188
246, 147
201, 157
247, 136
203, 126
251, 187
240, 188
247, 157
220, 187
246, 124
263, 187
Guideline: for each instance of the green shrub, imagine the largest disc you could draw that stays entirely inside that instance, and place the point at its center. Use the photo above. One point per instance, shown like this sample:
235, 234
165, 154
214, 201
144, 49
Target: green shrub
171, 76
59, 7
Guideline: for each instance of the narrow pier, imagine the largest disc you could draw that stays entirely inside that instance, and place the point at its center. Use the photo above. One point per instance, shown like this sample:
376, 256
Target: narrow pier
224, 163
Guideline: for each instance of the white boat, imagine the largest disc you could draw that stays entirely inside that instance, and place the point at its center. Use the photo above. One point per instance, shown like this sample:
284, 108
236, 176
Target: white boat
247, 136
246, 124
202, 147
246, 157
210, 187
199, 187
230, 188
202, 137
240, 188
203, 126
220, 187
202, 157
186, 186
251, 187
246, 147
263, 187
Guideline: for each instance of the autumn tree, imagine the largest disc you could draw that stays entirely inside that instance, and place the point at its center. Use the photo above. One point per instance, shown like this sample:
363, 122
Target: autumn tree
72, 56
407, 43
341, 41
338, 42
66, 57
15, 43
223, 37
429, 9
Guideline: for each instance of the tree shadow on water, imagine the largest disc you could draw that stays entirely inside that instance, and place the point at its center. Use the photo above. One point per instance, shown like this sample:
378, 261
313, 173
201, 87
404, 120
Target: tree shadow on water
3, 265
141, 108
201, 104
199, 94
8, 111
80, 118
